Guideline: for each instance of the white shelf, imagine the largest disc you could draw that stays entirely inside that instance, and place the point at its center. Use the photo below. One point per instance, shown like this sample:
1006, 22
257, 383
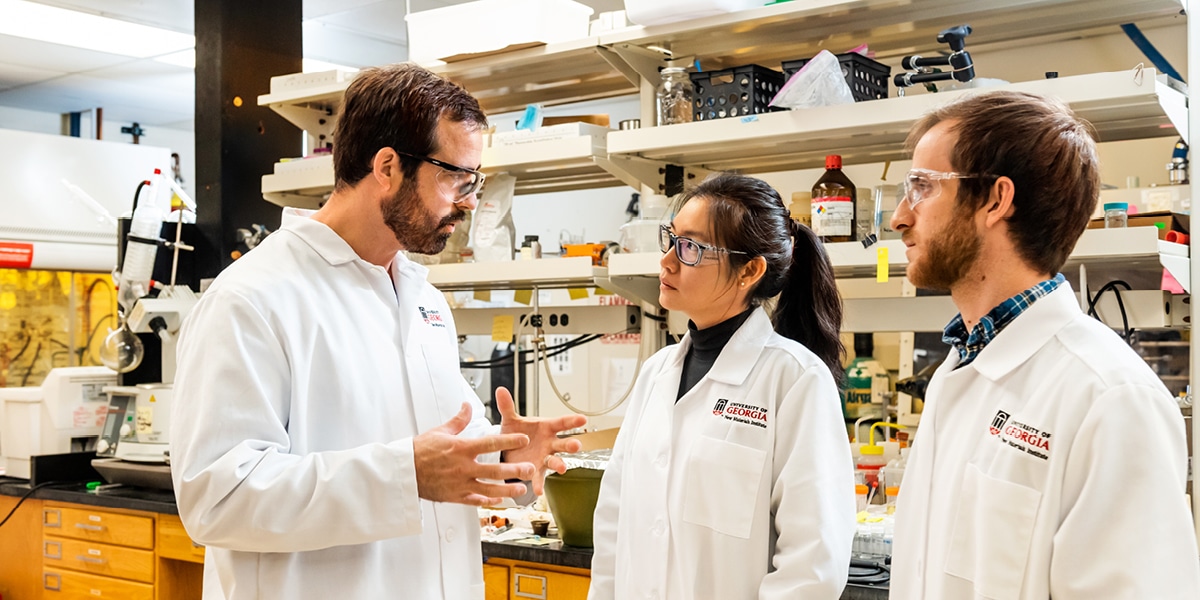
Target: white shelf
552, 165
1133, 248
1120, 105
303, 183
544, 273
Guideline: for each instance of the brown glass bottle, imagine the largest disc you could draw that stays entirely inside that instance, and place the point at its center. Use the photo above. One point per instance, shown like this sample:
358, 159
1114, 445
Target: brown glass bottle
834, 204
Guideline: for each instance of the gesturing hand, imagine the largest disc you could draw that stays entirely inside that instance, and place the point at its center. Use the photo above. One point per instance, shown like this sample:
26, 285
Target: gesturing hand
543, 438
447, 470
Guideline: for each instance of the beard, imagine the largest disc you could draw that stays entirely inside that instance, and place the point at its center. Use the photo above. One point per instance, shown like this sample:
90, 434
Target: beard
949, 254
416, 227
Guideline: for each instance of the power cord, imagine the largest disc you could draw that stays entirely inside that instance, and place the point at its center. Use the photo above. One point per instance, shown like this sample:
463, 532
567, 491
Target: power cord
27, 495
1127, 333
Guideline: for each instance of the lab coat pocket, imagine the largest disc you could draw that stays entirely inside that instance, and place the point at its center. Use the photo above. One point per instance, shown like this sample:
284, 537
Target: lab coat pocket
721, 486
993, 531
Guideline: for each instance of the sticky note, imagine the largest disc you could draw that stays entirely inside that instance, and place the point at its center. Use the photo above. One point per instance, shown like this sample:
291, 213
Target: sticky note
881, 264
603, 292
523, 296
483, 295
502, 328
577, 293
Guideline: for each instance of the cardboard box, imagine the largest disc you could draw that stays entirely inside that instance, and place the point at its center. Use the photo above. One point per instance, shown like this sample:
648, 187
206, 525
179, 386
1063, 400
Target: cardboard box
1165, 221
598, 440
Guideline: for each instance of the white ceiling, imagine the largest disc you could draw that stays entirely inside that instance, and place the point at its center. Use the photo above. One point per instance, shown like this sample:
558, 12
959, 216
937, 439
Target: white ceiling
60, 79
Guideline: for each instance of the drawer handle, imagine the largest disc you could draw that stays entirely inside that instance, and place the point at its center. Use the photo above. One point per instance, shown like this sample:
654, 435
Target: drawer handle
539, 581
46, 546
47, 521
91, 559
89, 527
46, 577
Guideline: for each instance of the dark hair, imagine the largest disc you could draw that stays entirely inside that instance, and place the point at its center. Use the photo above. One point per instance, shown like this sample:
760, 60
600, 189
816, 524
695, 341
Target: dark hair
395, 106
1047, 151
749, 216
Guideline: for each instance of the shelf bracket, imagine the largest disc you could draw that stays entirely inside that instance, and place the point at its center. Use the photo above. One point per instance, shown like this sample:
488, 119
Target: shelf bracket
636, 171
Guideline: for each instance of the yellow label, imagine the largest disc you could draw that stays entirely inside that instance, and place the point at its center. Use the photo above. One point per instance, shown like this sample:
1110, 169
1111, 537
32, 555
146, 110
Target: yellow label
502, 328
523, 296
577, 293
881, 264
8, 301
483, 295
602, 292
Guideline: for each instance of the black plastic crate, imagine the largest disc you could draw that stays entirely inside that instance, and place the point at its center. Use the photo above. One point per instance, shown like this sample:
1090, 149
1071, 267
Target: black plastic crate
868, 78
735, 92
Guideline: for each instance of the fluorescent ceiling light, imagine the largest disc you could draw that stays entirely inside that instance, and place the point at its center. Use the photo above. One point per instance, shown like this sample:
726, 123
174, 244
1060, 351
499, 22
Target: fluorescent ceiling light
187, 60
91, 32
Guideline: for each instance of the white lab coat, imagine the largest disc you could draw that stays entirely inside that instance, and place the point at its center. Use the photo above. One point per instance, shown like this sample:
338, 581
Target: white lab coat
742, 489
1053, 465
303, 377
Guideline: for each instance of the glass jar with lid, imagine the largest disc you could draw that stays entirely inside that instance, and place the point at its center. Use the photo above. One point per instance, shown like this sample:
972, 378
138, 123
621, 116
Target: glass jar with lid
1116, 214
675, 96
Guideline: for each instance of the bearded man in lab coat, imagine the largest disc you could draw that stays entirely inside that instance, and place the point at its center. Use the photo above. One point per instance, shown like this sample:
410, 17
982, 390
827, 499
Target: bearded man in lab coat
1050, 460
325, 444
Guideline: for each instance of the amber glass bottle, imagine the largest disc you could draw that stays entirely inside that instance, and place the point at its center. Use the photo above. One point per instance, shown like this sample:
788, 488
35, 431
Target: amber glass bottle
834, 201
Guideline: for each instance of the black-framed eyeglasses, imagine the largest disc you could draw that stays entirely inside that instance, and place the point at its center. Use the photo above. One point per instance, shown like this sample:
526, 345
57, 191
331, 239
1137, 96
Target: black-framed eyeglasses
688, 251
462, 180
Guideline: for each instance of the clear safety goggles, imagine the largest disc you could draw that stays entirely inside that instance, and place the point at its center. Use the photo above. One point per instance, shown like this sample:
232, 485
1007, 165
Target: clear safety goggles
460, 180
688, 251
923, 184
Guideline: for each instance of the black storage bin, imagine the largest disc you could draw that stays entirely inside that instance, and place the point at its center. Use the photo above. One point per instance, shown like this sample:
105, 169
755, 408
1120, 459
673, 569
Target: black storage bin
868, 79
735, 92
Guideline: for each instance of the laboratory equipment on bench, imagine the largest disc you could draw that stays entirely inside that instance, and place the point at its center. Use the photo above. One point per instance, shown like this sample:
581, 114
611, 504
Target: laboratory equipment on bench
921, 68
65, 414
572, 495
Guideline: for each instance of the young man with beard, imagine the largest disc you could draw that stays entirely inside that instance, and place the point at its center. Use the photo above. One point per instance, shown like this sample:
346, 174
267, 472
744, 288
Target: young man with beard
324, 443
1050, 461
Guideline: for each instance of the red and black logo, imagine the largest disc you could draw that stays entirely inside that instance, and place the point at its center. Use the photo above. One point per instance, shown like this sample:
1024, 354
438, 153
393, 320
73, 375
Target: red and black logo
720, 407
431, 317
998, 422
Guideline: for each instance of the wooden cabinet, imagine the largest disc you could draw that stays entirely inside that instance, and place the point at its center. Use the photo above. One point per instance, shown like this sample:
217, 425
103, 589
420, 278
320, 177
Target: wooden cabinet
20, 549
85, 552
534, 581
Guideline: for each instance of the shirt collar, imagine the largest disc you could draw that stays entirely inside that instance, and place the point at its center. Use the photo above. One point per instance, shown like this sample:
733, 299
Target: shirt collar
970, 344
331, 247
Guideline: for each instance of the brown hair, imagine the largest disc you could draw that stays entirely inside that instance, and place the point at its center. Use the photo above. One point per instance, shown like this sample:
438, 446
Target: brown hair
1048, 153
748, 215
396, 106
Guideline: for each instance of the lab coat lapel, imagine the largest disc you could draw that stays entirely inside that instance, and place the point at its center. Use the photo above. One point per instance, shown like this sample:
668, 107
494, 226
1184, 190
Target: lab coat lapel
1028, 333
409, 279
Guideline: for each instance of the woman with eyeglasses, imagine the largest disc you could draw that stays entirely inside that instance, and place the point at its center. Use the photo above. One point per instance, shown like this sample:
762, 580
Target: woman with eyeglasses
731, 476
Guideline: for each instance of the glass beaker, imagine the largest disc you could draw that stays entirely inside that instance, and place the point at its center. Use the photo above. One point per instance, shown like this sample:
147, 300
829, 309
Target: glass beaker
675, 96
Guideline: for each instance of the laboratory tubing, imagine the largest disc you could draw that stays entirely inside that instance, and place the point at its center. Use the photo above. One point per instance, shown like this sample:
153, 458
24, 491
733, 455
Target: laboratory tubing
1116, 214
675, 95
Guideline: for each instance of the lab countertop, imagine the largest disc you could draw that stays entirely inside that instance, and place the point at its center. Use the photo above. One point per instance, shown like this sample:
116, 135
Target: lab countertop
159, 501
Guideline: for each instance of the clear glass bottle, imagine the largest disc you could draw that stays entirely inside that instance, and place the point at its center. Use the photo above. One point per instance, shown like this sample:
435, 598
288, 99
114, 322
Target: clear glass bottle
1116, 214
675, 96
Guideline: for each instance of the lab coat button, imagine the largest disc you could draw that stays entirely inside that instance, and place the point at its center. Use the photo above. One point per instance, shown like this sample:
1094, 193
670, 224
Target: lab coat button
450, 534
661, 461
659, 528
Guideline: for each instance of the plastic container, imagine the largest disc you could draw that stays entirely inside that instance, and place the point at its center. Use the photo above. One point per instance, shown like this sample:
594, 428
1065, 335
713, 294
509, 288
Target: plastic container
657, 12
1116, 214
736, 92
572, 499
674, 96
489, 25
867, 78
869, 462
137, 266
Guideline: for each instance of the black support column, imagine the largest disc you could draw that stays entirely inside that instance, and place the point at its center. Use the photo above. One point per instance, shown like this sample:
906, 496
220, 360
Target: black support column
240, 45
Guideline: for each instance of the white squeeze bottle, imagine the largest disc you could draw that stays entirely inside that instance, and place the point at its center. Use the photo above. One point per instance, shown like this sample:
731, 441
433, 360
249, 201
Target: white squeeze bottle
138, 267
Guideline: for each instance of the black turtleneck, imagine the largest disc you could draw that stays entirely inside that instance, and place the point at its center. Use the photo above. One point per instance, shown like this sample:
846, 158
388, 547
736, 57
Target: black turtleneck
706, 347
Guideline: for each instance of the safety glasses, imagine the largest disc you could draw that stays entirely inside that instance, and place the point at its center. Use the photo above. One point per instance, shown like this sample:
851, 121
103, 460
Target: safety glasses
923, 184
461, 180
689, 251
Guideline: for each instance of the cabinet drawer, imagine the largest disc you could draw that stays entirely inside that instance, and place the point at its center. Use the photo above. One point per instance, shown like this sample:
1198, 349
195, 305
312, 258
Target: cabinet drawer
537, 584
68, 585
98, 526
173, 541
97, 558
495, 582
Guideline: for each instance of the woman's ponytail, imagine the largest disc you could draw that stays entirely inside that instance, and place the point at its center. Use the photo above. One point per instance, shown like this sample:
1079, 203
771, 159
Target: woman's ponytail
810, 308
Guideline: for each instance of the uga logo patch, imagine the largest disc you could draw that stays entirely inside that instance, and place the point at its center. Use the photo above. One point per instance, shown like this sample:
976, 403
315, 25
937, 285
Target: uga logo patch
998, 422
431, 317
741, 413
1023, 437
